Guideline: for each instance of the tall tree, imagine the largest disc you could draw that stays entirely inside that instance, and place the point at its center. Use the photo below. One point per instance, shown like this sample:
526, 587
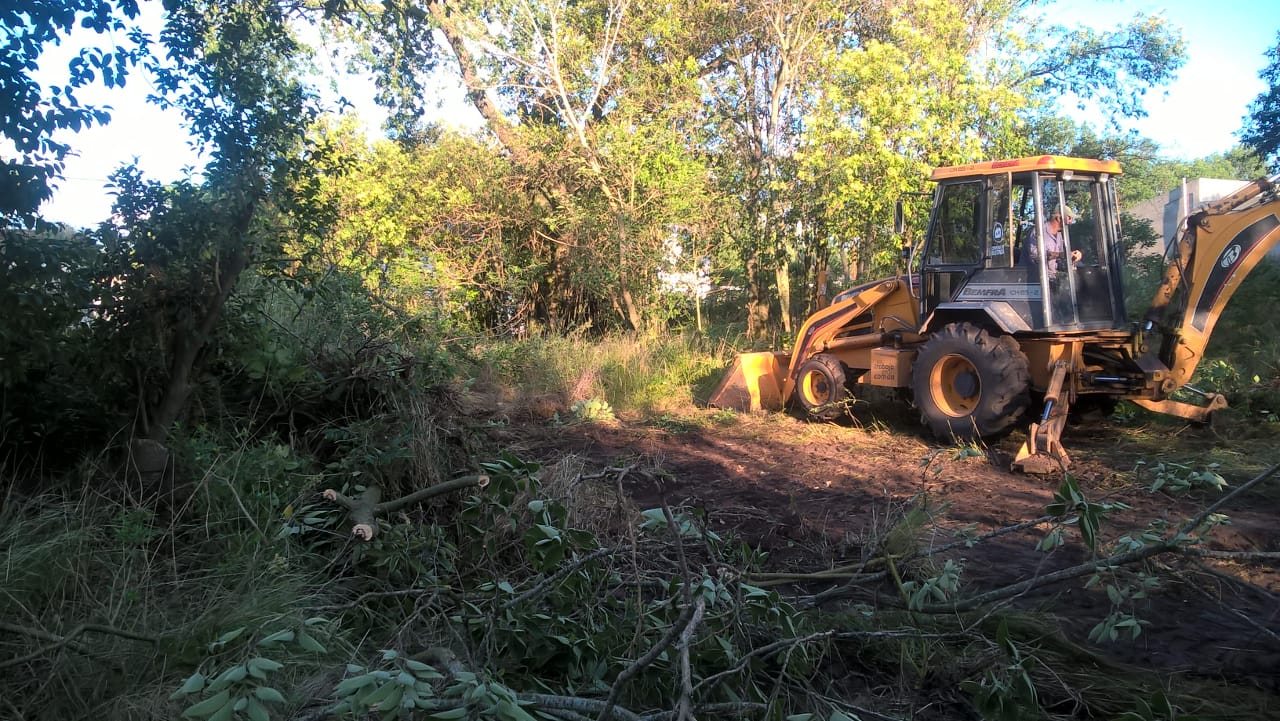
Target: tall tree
177, 252
1262, 125
585, 99
763, 76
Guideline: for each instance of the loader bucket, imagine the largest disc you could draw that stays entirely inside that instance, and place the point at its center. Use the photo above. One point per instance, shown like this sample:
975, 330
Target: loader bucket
753, 383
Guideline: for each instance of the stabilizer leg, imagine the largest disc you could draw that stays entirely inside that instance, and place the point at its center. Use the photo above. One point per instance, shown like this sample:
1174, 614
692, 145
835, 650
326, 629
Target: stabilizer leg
1043, 451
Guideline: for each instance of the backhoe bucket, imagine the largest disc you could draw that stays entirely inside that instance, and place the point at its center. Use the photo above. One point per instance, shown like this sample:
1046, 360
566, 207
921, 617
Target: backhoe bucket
754, 383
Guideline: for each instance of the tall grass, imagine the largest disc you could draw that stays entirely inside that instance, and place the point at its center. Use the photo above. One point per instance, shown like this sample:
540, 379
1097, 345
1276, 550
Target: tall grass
145, 589
634, 373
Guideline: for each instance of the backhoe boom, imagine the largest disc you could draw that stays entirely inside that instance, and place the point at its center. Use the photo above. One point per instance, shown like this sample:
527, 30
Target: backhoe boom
1222, 243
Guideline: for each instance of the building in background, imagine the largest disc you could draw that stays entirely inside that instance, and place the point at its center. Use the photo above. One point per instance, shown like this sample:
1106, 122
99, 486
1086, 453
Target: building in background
1166, 211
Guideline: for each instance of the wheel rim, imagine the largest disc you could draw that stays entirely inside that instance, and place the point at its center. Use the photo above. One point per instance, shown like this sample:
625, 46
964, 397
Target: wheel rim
955, 386
815, 389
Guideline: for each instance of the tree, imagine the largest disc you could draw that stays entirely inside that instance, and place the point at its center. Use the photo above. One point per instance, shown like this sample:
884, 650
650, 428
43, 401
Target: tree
586, 99
1113, 69
30, 115
1262, 125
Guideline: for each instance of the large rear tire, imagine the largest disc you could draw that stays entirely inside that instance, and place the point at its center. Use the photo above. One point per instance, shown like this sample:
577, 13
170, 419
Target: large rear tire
970, 384
821, 388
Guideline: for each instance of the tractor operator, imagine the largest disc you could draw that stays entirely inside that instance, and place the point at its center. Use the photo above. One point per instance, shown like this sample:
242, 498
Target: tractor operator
1055, 246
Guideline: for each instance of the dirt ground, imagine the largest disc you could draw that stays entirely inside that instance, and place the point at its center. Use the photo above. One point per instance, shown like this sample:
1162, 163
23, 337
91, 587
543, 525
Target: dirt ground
816, 495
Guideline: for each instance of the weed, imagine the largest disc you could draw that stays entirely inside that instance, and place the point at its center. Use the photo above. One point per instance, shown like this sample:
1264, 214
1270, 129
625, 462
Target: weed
1179, 478
593, 410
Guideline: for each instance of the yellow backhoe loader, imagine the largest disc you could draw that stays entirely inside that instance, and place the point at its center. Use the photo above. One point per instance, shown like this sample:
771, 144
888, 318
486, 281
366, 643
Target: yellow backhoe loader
1014, 291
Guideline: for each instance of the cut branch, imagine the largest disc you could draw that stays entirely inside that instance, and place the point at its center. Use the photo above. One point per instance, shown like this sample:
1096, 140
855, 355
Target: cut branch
365, 509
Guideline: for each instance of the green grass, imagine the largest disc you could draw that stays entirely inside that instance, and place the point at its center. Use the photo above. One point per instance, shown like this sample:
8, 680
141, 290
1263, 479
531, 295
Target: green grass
635, 374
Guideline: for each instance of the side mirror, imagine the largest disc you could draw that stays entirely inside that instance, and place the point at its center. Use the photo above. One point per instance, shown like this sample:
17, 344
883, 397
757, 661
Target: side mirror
899, 221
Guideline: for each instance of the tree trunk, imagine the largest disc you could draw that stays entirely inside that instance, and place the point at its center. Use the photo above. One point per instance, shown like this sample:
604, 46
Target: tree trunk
757, 305
634, 316
782, 272
188, 345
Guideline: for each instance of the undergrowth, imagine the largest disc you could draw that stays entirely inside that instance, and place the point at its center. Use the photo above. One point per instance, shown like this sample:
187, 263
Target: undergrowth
234, 590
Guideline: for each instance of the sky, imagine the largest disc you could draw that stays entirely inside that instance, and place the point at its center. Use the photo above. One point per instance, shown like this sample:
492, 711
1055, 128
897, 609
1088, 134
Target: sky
1197, 115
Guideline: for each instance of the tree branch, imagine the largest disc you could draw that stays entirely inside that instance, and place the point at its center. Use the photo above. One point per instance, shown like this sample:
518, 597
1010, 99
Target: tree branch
673, 633
67, 639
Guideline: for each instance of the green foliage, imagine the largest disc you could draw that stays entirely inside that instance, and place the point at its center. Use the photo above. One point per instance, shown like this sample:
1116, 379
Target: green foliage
397, 686
1261, 130
241, 689
627, 372
35, 118
936, 589
1120, 593
1179, 478
1072, 509
592, 410
1157, 707
1006, 692
1112, 68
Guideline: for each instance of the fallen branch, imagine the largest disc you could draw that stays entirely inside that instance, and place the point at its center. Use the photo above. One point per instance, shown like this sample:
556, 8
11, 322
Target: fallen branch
1233, 555
1169, 545
365, 508
359, 600
1213, 508
781, 645
673, 633
605, 709
728, 708
68, 639
551, 580
853, 573
684, 705
1236, 612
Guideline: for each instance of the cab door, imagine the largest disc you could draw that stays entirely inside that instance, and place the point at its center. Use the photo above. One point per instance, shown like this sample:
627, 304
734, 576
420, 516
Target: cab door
954, 246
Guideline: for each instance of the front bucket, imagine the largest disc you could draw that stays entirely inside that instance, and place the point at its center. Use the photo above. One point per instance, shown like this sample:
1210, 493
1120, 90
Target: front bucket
753, 383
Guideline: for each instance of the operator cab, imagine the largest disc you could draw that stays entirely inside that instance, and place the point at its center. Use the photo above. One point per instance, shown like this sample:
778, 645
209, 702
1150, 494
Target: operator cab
995, 246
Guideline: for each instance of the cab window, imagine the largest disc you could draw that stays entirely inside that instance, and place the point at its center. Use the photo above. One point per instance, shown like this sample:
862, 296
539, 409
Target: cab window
956, 239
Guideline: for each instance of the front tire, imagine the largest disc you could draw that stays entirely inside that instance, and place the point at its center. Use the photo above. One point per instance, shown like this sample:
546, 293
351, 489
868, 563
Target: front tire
970, 384
821, 388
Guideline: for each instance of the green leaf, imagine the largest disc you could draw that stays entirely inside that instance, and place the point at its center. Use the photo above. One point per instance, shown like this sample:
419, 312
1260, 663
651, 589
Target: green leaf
1113, 593
264, 664
194, 683
268, 694
380, 695
278, 637
509, 711
353, 684
207, 707
392, 701
414, 665
307, 643
224, 713
235, 674
256, 711
450, 715
226, 638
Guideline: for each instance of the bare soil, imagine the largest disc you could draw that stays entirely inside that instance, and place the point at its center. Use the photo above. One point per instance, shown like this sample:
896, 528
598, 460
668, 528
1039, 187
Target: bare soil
816, 495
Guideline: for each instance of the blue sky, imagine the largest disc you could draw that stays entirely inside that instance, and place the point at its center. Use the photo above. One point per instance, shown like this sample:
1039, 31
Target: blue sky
1199, 114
